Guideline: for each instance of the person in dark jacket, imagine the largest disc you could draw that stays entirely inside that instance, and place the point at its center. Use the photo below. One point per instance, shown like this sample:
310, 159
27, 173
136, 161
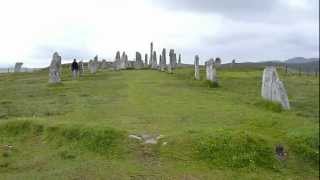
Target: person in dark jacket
75, 69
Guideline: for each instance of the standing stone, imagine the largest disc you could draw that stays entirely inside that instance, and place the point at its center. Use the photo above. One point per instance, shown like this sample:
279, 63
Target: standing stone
196, 68
126, 62
211, 71
17, 67
233, 63
121, 62
169, 67
54, 69
179, 60
81, 68
139, 62
93, 65
272, 88
174, 65
104, 64
146, 60
118, 56
173, 59
117, 61
160, 62
163, 62
154, 60
151, 54
217, 62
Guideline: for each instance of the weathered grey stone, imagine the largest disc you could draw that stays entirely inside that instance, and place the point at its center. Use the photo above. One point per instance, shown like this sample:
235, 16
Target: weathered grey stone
154, 60
151, 54
139, 62
93, 65
132, 136
104, 64
217, 62
169, 67
163, 62
54, 69
211, 71
173, 59
272, 88
130, 64
118, 56
147, 138
233, 63
196, 68
17, 67
81, 67
160, 61
121, 62
179, 60
146, 60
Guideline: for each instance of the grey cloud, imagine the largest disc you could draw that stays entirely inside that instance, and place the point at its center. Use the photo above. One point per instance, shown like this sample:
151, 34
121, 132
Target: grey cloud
45, 52
276, 11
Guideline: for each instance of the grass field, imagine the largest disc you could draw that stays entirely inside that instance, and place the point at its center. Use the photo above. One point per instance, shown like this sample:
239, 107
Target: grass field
79, 129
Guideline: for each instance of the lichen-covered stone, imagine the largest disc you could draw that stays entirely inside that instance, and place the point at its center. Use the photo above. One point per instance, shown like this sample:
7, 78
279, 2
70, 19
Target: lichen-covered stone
17, 67
93, 65
211, 72
151, 54
217, 62
272, 88
54, 69
154, 60
196, 68
139, 63
146, 60
173, 59
163, 62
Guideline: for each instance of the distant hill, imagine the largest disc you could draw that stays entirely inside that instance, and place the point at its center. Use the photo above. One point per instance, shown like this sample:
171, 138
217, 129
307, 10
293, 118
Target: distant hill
305, 65
300, 60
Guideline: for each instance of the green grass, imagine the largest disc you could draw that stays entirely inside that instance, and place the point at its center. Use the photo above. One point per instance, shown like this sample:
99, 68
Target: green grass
78, 129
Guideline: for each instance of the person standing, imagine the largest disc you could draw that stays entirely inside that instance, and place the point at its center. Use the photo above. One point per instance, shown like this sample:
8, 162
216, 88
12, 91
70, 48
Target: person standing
75, 69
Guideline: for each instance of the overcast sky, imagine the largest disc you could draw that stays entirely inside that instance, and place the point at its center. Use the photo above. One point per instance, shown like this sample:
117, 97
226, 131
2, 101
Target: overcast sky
247, 30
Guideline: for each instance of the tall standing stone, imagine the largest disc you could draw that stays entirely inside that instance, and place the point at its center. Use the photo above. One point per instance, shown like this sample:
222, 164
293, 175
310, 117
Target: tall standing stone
154, 60
160, 62
169, 68
173, 59
121, 62
17, 67
146, 60
139, 62
151, 54
272, 88
54, 69
179, 60
117, 61
196, 68
93, 65
118, 56
163, 62
174, 64
211, 71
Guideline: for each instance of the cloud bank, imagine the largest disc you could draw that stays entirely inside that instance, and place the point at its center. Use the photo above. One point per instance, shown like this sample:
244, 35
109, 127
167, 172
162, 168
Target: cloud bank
248, 30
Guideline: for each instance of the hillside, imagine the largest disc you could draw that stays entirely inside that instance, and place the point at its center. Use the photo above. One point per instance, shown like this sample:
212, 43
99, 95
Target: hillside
79, 129
301, 60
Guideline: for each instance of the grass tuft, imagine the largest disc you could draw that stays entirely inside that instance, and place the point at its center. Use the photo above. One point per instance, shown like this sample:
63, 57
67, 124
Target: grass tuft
235, 150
